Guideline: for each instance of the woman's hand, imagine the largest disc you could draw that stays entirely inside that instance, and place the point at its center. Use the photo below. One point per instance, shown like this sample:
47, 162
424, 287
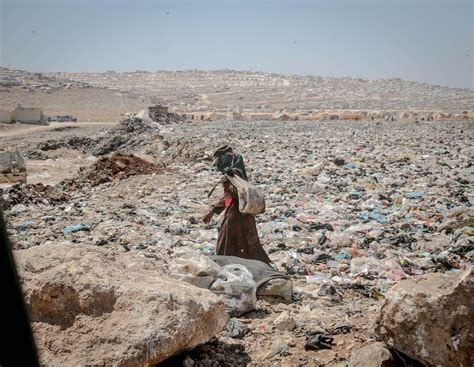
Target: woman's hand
207, 218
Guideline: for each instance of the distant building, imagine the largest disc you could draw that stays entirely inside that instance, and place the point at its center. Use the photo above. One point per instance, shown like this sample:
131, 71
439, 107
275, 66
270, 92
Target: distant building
217, 116
159, 109
7, 116
27, 115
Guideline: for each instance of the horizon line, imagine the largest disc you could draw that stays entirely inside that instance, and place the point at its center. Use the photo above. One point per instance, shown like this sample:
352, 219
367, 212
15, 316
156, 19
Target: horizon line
238, 71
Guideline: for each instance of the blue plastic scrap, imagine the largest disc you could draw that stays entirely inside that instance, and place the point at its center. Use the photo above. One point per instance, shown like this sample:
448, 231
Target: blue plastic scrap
342, 255
27, 223
350, 165
415, 194
375, 214
76, 228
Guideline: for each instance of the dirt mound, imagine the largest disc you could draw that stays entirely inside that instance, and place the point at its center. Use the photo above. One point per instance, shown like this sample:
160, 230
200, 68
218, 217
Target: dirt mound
32, 194
105, 169
118, 167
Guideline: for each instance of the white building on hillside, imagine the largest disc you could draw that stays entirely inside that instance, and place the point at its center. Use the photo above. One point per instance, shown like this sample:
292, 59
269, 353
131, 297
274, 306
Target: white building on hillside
27, 115
7, 116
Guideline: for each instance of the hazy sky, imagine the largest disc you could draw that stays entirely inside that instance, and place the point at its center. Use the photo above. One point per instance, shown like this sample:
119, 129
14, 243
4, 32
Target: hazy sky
420, 40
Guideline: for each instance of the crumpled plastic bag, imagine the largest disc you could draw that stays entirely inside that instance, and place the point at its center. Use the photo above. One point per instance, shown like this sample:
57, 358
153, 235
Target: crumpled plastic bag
194, 268
235, 286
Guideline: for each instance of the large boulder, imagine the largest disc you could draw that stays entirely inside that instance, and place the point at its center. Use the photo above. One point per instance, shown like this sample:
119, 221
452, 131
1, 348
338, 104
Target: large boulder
431, 318
92, 306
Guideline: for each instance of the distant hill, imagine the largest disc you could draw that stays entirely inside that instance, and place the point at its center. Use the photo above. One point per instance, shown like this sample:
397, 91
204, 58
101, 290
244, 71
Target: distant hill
266, 92
106, 96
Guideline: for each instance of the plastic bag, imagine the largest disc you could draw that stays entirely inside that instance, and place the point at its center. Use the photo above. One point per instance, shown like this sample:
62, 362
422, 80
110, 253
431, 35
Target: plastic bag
235, 286
251, 200
194, 268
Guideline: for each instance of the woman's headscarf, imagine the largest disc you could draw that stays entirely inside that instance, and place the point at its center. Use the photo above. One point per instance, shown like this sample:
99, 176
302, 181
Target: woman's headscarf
229, 163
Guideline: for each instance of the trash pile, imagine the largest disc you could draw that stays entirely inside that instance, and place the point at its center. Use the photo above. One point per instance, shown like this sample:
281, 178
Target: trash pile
115, 167
157, 139
32, 194
135, 133
353, 209
165, 118
79, 143
132, 132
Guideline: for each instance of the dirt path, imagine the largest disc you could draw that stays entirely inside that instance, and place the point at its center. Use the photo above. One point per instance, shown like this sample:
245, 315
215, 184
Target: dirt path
25, 129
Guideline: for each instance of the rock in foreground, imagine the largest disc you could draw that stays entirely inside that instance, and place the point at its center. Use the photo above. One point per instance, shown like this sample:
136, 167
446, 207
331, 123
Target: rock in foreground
372, 355
431, 318
91, 306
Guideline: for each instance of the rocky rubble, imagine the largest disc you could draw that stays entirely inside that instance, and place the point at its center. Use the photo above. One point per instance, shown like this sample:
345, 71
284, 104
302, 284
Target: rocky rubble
353, 209
91, 306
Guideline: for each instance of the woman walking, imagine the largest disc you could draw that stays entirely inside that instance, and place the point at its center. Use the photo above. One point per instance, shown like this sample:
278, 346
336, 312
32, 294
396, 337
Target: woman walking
238, 232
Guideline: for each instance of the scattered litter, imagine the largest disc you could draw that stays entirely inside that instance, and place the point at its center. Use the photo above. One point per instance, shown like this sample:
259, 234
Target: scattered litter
317, 340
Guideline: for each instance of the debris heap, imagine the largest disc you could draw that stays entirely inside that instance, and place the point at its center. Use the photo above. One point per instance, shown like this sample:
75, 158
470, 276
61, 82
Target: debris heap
112, 168
32, 194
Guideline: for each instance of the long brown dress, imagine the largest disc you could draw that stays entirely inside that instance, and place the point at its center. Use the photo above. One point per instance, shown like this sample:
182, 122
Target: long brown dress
238, 232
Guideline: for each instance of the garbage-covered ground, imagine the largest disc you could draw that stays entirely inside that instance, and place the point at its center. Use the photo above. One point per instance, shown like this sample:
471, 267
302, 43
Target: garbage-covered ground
353, 208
